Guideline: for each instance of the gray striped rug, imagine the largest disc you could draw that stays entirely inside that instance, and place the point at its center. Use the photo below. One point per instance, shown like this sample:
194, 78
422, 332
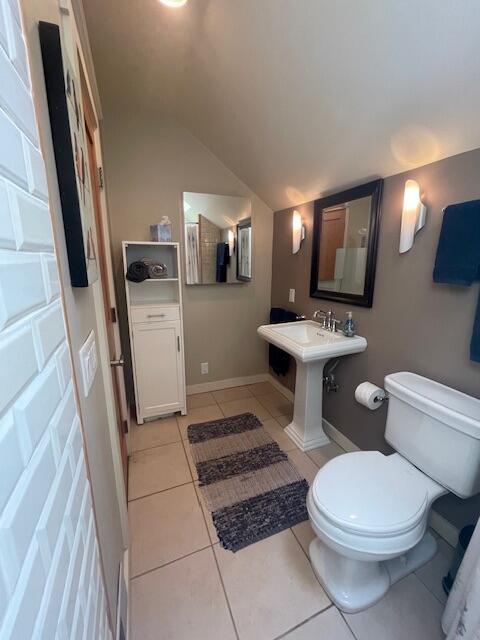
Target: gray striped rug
247, 481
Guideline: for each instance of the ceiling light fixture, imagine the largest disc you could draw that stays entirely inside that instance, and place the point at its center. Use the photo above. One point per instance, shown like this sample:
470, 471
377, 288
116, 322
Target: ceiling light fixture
174, 4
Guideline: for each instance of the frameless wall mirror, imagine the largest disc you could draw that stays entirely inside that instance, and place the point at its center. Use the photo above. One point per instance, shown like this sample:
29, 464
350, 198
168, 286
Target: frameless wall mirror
344, 252
218, 238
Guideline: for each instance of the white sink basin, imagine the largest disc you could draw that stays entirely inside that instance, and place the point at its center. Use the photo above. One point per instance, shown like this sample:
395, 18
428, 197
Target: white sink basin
312, 347
306, 341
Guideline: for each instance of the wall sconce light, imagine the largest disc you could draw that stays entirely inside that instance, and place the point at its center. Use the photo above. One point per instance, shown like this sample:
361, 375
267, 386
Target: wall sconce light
231, 241
298, 232
413, 215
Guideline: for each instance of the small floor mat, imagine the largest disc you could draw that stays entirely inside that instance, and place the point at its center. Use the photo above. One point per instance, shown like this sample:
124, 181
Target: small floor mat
249, 484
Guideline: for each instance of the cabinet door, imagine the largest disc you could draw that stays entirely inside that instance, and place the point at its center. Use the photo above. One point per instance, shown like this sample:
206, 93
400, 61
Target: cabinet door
158, 367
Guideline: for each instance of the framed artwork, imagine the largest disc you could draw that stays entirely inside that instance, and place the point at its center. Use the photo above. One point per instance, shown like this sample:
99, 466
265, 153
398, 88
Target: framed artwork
65, 107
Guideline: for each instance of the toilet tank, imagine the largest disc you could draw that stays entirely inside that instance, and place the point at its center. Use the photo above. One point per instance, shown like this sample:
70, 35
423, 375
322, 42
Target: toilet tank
437, 429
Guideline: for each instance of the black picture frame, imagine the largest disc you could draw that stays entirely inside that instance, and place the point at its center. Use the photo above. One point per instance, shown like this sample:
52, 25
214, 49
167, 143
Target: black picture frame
71, 165
243, 224
373, 189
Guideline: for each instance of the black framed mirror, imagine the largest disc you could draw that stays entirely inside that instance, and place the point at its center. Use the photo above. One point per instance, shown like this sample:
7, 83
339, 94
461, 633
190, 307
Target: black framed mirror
345, 236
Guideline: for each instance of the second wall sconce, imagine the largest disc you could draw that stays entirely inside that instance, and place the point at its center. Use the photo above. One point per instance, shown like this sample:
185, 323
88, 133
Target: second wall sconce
298, 231
413, 215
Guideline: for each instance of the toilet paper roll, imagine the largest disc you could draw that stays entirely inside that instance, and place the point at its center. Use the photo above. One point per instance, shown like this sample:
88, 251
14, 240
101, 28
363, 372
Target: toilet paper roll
369, 395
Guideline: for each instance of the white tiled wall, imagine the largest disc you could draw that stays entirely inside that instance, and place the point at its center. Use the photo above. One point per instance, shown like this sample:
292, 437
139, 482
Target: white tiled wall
50, 579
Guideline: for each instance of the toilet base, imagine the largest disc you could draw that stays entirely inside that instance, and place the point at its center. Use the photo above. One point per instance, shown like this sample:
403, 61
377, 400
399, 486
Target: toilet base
354, 585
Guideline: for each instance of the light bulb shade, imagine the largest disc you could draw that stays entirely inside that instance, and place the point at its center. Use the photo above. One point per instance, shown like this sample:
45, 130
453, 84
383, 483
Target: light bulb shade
413, 215
298, 231
175, 4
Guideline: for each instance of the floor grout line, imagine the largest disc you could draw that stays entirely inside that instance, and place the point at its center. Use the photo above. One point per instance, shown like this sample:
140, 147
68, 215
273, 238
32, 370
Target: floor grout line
154, 493
342, 615
166, 564
157, 446
225, 593
300, 624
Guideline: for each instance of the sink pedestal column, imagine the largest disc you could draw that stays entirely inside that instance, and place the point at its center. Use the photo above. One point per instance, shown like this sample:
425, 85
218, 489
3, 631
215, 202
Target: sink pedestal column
306, 428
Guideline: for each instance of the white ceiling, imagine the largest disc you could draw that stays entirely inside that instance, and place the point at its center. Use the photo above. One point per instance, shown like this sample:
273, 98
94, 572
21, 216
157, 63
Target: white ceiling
299, 97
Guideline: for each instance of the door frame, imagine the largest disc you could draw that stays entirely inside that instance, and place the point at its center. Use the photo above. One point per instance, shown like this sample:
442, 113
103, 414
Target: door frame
100, 313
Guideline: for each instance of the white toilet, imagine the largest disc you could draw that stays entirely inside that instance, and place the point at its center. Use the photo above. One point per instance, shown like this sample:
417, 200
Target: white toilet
370, 511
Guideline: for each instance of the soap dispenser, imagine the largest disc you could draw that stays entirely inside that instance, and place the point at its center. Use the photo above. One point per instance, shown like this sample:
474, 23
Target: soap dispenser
349, 326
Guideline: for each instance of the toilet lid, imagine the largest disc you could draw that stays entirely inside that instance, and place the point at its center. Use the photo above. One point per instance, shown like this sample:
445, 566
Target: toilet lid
364, 492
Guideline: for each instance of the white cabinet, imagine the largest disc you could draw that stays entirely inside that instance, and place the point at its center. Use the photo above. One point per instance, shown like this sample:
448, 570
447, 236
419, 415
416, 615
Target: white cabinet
158, 366
156, 333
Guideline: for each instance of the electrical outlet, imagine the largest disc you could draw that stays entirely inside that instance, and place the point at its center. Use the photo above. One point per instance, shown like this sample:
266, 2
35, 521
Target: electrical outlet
291, 295
203, 367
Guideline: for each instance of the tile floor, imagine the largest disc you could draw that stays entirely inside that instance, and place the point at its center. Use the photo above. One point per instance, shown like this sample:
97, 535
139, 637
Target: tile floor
185, 586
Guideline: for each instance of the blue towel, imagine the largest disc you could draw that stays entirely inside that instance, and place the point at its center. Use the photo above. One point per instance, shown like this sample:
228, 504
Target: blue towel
223, 258
458, 255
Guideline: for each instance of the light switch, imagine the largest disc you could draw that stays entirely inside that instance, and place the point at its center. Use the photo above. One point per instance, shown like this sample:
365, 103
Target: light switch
291, 295
88, 362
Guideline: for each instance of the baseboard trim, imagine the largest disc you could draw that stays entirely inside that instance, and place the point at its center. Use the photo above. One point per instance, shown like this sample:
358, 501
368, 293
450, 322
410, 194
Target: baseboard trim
444, 528
437, 522
282, 388
217, 385
338, 437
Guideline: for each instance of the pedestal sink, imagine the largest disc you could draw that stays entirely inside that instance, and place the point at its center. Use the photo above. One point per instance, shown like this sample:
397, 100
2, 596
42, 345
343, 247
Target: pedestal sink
311, 346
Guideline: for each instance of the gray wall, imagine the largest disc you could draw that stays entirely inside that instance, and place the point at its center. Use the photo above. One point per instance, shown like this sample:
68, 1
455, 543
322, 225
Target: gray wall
149, 162
414, 324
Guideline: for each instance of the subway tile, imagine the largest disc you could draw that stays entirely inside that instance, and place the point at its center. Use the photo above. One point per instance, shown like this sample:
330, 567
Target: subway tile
16, 46
75, 444
31, 220
72, 510
48, 331
51, 518
21, 285
47, 620
62, 422
16, 347
67, 609
3, 31
23, 509
3, 599
35, 407
51, 277
11, 461
7, 235
24, 604
64, 367
37, 179
12, 161
15, 99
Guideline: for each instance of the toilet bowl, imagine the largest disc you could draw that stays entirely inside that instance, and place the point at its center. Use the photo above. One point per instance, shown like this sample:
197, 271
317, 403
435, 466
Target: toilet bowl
370, 511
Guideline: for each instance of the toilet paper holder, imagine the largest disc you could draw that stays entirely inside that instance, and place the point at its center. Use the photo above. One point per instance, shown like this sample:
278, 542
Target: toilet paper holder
370, 395
381, 399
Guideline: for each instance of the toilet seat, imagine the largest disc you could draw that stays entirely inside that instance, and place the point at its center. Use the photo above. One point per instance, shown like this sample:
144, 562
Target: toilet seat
368, 494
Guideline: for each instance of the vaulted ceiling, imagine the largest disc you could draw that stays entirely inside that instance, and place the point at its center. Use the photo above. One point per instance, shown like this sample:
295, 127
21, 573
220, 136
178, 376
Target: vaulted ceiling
299, 97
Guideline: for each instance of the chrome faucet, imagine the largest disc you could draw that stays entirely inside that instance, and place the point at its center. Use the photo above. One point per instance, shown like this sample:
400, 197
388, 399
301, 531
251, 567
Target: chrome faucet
328, 320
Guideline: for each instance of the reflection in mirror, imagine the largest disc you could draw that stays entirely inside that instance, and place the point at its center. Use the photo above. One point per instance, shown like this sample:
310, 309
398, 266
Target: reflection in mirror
217, 240
344, 245
244, 252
